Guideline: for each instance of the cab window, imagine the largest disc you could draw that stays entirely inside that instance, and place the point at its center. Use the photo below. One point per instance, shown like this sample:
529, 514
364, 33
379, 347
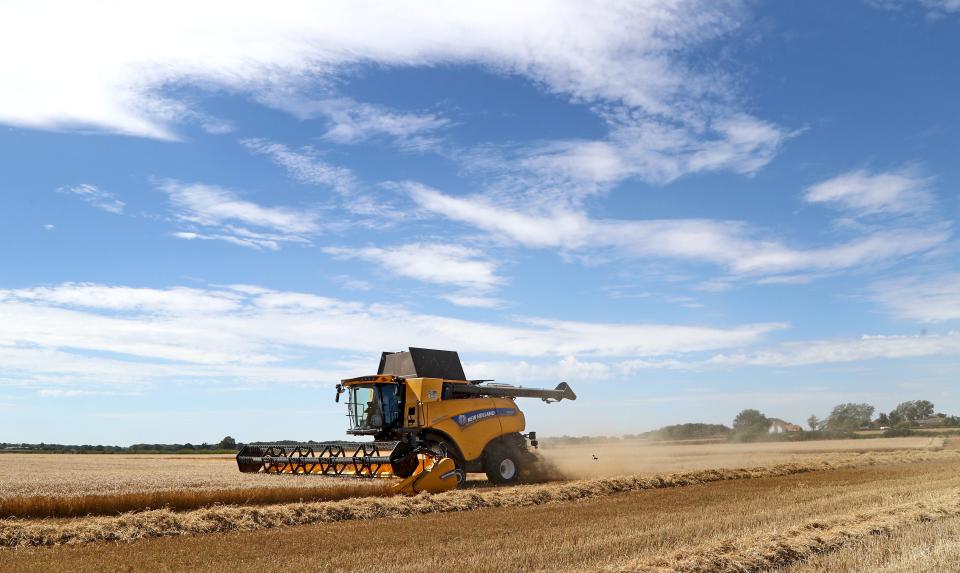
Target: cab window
374, 406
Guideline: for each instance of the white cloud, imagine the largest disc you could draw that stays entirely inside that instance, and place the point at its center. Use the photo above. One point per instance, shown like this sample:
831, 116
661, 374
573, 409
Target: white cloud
49, 227
84, 337
568, 369
943, 5
559, 228
210, 205
472, 300
787, 280
923, 299
129, 299
866, 193
222, 213
70, 393
657, 151
351, 283
244, 327
730, 244
305, 166
627, 59
432, 263
935, 8
353, 122
56, 370
242, 238
837, 351
95, 196
878, 247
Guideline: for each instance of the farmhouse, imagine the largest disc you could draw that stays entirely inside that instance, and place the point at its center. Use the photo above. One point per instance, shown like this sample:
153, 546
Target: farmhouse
778, 426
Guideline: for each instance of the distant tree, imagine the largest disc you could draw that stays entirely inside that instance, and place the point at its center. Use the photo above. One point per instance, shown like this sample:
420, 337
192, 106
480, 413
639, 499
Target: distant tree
883, 420
227, 443
895, 418
911, 411
849, 417
814, 422
750, 422
689, 431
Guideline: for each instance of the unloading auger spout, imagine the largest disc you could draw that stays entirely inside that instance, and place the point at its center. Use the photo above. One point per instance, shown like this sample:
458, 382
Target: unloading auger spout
430, 427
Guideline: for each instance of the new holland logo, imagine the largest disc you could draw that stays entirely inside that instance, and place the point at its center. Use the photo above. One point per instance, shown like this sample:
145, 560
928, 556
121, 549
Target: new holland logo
467, 418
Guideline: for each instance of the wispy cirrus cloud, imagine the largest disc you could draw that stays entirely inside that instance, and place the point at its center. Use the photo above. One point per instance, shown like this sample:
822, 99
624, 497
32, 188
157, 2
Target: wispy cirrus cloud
929, 299
654, 150
254, 320
473, 299
218, 213
432, 263
351, 122
796, 354
354, 122
934, 8
629, 61
732, 245
868, 347
305, 165
99, 198
863, 192
86, 337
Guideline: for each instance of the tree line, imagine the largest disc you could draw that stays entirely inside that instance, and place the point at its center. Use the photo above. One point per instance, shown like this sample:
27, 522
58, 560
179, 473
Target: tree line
850, 417
226, 444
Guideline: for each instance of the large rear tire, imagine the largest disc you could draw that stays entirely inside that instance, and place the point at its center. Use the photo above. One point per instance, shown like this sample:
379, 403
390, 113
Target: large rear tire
503, 466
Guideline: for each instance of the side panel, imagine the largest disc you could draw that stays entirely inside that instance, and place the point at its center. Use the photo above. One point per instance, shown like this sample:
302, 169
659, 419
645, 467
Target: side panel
470, 422
509, 423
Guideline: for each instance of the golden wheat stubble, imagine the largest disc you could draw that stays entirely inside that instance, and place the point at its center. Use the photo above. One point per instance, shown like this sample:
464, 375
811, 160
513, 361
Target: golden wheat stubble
135, 526
577, 535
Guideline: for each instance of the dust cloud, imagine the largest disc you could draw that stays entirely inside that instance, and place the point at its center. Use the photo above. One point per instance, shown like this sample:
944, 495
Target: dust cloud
628, 457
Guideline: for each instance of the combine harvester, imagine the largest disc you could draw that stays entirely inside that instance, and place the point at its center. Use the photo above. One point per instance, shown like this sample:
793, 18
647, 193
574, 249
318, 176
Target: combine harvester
430, 425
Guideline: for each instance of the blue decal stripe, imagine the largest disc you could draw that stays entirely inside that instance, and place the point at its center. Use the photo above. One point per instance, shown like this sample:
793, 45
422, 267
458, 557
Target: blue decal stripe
467, 418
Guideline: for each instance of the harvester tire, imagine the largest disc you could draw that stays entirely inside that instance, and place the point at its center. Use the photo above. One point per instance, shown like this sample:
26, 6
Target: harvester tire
503, 465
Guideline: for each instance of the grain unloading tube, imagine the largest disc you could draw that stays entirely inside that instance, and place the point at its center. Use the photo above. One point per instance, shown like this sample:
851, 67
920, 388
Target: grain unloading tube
431, 426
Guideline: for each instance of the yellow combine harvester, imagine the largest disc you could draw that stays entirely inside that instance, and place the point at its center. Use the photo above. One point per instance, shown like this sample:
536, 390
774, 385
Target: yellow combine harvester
430, 425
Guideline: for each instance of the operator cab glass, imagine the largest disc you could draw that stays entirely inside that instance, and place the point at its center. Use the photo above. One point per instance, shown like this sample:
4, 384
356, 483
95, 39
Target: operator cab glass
373, 407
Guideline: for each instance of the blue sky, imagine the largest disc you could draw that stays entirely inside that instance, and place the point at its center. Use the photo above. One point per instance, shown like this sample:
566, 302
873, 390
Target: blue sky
682, 208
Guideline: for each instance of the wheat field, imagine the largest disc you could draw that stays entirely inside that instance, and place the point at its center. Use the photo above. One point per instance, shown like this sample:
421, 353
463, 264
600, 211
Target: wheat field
63, 485
808, 513
929, 546
764, 523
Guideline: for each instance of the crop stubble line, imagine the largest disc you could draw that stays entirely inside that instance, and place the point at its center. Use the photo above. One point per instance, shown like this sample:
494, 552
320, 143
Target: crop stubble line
37, 506
164, 522
761, 552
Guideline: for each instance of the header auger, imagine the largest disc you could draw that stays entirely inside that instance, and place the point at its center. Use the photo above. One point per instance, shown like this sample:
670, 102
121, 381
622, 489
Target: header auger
430, 427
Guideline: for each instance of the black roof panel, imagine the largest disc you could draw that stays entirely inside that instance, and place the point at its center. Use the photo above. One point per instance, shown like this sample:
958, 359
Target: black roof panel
422, 363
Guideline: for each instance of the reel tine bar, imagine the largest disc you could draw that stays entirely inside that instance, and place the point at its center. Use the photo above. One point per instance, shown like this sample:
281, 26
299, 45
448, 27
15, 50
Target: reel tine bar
358, 459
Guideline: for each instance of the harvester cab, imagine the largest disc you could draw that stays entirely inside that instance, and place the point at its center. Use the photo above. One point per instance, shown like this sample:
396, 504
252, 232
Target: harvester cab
430, 427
